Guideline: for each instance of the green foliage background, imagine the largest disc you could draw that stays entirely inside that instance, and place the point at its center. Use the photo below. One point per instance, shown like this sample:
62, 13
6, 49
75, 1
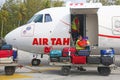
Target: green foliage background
15, 13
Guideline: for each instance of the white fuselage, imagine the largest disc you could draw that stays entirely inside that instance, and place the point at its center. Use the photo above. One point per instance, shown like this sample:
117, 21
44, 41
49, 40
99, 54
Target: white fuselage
102, 26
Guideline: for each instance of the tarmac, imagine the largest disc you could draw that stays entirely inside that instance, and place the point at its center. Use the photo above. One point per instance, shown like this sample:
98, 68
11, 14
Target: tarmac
46, 72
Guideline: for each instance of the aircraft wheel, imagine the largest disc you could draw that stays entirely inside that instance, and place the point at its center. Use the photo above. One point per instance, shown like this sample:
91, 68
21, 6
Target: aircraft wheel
36, 62
104, 71
9, 70
65, 70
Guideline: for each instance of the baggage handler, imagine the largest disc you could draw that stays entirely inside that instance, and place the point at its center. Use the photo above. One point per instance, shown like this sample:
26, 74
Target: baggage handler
81, 44
75, 27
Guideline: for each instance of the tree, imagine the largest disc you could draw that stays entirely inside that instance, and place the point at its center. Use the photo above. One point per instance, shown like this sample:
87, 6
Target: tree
4, 18
107, 2
22, 10
117, 2
58, 4
17, 12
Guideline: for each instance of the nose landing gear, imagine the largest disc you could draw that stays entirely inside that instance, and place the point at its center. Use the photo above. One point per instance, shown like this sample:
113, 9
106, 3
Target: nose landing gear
35, 61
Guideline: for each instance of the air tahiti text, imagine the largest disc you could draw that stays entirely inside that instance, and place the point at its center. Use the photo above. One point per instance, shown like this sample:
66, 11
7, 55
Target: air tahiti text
53, 41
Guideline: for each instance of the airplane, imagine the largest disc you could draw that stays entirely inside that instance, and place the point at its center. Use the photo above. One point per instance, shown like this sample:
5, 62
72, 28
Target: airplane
51, 29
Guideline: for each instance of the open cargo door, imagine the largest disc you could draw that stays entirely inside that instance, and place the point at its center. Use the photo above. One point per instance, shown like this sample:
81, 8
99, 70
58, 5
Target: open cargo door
88, 20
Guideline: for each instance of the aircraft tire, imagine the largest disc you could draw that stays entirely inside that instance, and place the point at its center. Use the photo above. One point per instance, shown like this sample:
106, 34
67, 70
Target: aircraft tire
36, 62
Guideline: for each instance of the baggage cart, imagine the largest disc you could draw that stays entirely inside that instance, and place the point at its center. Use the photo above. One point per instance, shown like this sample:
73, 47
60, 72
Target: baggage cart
71, 59
8, 59
66, 67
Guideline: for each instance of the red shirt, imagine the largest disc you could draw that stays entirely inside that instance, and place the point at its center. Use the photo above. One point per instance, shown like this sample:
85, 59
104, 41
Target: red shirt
82, 43
76, 20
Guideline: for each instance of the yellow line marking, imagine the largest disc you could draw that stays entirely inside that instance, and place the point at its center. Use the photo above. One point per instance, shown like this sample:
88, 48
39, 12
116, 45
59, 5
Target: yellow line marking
15, 76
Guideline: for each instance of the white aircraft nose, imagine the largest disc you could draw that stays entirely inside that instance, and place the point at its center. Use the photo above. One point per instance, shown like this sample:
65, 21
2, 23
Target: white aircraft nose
11, 37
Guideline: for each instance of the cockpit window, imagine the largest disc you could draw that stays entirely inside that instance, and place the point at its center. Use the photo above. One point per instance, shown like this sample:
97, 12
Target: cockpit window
31, 19
48, 18
36, 18
39, 18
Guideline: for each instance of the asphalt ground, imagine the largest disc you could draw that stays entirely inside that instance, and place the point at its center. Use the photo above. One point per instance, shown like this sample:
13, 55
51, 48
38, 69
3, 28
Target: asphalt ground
46, 72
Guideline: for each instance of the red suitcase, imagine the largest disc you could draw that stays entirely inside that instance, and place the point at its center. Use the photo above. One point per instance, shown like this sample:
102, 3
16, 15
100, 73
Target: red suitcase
6, 53
68, 51
78, 59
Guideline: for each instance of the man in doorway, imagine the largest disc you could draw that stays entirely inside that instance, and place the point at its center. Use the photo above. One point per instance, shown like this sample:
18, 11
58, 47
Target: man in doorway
75, 27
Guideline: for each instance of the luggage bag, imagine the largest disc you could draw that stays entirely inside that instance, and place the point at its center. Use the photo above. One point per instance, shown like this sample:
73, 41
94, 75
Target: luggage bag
54, 59
84, 53
15, 54
107, 52
6, 47
6, 53
107, 60
65, 59
6, 60
55, 53
93, 60
68, 51
78, 59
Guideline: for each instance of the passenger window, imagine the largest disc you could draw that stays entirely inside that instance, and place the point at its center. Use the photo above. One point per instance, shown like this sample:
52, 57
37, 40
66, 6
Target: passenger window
39, 18
48, 18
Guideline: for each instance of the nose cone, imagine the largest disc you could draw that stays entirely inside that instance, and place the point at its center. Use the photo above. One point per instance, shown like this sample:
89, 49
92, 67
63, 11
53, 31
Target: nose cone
11, 37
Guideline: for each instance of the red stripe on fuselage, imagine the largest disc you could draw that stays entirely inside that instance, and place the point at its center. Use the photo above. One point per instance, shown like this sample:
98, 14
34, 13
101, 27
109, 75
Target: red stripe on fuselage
108, 36
65, 23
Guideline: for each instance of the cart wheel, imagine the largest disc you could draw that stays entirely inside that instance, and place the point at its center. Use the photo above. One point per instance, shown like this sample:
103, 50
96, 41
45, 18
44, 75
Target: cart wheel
65, 70
9, 70
104, 71
36, 62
